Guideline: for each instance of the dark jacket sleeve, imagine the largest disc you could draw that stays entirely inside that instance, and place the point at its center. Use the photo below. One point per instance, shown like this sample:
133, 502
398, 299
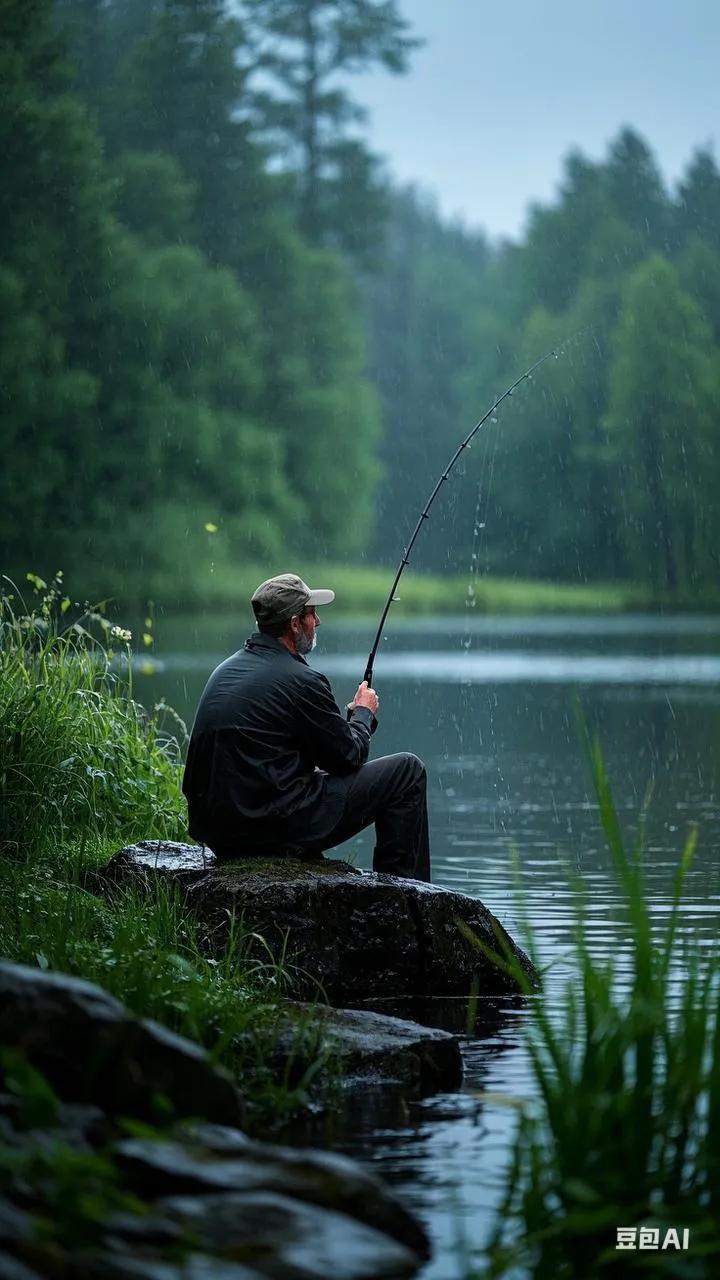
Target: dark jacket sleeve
333, 743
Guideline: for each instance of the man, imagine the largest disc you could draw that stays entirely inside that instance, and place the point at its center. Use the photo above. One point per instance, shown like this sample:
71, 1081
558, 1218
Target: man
273, 767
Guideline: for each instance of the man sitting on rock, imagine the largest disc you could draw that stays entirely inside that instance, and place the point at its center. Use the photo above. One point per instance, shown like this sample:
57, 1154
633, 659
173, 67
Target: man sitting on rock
273, 767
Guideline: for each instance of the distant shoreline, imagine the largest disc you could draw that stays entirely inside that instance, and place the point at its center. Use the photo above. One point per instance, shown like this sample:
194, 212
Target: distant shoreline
361, 592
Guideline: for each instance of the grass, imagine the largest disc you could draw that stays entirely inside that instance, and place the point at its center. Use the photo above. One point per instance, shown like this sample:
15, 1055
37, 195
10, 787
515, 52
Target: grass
80, 759
220, 582
146, 950
83, 770
626, 1128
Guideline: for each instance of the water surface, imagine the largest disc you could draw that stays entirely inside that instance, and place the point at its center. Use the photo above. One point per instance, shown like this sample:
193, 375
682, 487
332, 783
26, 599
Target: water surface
489, 705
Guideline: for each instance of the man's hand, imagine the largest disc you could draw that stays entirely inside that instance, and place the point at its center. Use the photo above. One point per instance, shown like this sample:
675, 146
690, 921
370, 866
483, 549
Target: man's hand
365, 697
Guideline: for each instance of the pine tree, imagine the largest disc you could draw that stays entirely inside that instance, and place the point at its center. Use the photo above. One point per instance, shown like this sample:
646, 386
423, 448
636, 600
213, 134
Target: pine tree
303, 49
698, 201
660, 419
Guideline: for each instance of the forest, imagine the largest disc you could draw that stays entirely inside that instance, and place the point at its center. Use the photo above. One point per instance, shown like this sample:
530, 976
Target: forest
229, 337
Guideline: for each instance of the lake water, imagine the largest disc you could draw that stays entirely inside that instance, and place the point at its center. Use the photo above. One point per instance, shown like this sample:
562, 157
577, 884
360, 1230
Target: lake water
489, 705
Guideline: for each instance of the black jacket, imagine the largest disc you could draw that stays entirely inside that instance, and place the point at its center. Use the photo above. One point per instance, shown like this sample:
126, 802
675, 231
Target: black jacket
267, 750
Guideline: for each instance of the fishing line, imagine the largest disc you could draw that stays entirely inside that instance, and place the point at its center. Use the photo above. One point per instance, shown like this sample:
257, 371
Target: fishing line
479, 526
425, 514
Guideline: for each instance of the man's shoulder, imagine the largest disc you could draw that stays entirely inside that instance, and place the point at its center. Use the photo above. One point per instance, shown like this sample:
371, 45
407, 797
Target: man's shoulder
269, 664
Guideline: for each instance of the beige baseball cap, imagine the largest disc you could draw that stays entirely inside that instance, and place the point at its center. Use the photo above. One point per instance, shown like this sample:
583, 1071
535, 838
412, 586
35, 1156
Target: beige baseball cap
279, 598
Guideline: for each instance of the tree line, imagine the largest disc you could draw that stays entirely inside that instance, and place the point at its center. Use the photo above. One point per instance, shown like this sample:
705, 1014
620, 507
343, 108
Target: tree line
219, 320
182, 345
607, 465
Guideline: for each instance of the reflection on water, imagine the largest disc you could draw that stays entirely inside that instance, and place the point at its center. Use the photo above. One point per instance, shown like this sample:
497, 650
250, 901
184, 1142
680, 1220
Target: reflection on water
495, 725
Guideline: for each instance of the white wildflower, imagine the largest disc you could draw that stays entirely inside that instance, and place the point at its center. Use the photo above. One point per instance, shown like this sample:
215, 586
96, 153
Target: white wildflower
120, 633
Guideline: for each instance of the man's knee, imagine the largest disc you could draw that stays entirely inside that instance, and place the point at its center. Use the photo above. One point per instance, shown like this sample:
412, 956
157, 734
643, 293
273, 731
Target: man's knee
413, 767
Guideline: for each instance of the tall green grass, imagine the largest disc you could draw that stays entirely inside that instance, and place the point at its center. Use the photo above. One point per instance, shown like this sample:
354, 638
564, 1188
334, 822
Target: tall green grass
146, 949
85, 769
80, 759
626, 1128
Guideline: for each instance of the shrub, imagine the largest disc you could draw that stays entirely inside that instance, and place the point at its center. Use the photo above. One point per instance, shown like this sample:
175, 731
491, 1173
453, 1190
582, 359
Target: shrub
80, 759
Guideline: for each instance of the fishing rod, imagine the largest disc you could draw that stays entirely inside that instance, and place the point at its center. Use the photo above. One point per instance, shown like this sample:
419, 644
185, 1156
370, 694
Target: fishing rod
392, 598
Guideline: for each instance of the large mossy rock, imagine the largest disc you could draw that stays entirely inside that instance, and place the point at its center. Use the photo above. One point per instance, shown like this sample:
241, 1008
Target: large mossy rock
356, 938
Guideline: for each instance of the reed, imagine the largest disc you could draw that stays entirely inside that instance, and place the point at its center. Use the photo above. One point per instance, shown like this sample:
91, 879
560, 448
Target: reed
625, 1130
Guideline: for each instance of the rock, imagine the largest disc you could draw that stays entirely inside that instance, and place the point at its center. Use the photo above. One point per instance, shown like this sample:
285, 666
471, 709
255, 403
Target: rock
372, 1048
13, 1269
186, 863
219, 1138
214, 1205
15, 1224
93, 1051
319, 1178
285, 1239
353, 937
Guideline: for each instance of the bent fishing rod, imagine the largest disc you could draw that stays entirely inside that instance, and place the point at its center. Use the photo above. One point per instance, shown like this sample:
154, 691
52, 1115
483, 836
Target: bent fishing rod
426, 510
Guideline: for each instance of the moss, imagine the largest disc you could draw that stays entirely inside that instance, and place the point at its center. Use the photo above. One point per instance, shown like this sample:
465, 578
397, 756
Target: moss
286, 868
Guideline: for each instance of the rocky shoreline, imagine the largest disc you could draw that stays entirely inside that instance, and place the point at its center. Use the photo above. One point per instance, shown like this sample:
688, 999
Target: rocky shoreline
89, 1090
153, 1129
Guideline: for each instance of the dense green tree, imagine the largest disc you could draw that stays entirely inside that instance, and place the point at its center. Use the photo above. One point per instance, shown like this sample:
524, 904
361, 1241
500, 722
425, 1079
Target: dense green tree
180, 395
178, 91
697, 212
130, 376
299, 54
660, 419
182, 346
699, 270
585, 234
317, 395
560, 236
153, 197
55, 233
428, 333
185, 88
552, 509
636, 191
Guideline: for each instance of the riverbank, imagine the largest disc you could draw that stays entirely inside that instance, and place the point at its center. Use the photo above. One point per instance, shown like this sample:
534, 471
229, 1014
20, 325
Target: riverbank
221, 584
83, 770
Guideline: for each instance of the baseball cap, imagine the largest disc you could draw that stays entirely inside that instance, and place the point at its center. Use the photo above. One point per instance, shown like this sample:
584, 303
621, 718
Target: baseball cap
278, 599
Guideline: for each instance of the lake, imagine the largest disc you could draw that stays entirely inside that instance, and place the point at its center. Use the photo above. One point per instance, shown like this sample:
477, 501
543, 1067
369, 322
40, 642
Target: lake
488, 703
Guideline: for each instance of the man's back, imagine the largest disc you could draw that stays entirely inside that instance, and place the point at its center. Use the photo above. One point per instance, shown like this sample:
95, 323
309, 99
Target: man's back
267, 749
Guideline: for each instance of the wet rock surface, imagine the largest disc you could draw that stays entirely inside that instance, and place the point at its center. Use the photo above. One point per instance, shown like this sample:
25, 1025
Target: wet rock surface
316, 1177
354, 938
91, 1049
202, 1200
370, 1048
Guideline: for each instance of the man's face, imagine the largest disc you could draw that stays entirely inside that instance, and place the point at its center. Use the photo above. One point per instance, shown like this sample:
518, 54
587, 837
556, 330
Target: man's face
306, 639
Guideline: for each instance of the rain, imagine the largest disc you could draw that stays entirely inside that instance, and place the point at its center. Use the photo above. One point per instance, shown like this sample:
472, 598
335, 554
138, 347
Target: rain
418, 304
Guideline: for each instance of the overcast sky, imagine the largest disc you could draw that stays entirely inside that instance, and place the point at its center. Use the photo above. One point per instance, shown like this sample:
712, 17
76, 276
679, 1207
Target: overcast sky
504, 88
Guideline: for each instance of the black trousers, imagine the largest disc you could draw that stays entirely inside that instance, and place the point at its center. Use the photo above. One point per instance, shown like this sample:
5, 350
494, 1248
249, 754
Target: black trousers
392, 793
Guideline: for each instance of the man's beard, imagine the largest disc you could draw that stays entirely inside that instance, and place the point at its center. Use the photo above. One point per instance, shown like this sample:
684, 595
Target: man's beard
304, 644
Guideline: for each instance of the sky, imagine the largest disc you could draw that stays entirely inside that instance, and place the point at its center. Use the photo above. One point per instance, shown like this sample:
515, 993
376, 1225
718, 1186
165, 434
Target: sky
503, 89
